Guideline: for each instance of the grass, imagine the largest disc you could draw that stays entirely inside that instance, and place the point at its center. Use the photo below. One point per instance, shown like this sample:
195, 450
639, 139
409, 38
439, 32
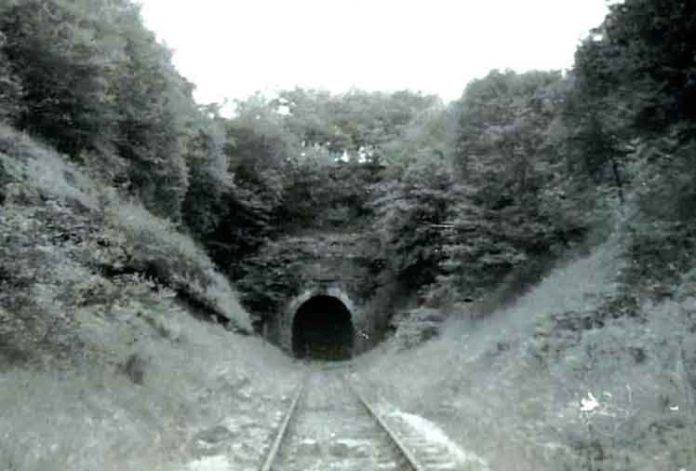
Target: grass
195, 376
132, 239
101, 366
122, 236
510, 387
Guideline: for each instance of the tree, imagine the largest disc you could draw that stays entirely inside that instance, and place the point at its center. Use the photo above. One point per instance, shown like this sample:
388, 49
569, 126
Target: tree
92, 81
634, 112
356, 124
430, 133
411, 214
635, 77
155, 113
59, 51
210, 180
641, 59
10, 86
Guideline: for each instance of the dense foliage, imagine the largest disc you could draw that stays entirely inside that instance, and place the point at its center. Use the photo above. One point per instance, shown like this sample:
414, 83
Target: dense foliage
455, 197
91, 80
436, 204
635, 109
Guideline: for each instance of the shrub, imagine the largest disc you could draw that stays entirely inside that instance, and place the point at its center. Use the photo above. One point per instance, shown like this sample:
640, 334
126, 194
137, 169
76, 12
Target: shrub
134, 241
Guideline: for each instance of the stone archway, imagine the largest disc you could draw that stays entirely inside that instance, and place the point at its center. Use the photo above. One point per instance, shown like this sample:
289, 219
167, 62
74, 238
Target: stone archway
322, 329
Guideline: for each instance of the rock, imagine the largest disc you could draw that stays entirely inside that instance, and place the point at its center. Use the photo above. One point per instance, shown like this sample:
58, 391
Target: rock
309, 447
211, 441
417, 326
134, 368
339, 449
214, 434
354, 448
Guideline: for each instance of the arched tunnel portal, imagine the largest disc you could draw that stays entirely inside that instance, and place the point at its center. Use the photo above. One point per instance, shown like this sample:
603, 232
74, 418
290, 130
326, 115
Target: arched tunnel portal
322, 329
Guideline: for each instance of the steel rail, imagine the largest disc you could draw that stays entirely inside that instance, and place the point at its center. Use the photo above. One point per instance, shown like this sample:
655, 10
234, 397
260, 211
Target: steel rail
410, 458
282, 430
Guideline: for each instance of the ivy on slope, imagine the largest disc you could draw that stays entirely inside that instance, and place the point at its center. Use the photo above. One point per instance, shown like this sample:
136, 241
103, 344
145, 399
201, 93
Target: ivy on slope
68, 242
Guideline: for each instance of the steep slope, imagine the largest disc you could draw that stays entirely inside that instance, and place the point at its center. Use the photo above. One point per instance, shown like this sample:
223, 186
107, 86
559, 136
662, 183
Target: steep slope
113, 353
562, 379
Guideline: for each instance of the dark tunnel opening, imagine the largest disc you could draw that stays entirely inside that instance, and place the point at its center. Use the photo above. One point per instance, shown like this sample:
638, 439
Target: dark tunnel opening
322, 330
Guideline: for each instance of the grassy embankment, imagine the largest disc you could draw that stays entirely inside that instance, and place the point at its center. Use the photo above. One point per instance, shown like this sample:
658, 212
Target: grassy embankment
108, 356
564, 378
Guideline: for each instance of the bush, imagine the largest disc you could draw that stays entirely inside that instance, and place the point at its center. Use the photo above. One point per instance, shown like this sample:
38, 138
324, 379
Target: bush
662, 235
111, 235
132, 240
10, 88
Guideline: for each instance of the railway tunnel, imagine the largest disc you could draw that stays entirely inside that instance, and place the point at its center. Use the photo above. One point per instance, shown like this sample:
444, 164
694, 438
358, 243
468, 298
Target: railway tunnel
322, 329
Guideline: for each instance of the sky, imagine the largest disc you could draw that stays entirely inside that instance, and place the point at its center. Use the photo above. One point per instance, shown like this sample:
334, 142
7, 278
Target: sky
232, 48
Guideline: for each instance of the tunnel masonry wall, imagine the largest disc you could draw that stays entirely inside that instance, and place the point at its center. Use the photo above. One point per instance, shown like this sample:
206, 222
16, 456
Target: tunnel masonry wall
332, 267
356, 314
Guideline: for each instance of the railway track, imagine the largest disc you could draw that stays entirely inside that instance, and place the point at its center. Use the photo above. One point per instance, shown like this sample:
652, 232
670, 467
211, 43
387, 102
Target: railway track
329, 425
